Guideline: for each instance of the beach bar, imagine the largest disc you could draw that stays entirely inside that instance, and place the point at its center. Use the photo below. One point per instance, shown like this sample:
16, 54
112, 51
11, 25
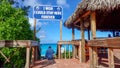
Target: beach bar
28, 44
92, 16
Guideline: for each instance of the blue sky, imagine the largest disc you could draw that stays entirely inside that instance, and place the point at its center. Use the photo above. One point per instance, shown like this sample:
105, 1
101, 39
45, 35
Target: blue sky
50, 29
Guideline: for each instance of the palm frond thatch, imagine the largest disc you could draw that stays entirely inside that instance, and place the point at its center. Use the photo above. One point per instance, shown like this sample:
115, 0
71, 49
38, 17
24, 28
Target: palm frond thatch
106, 10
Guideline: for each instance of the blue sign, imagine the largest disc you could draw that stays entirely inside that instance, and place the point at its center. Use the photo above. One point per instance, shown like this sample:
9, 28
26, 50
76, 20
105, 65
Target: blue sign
47, 12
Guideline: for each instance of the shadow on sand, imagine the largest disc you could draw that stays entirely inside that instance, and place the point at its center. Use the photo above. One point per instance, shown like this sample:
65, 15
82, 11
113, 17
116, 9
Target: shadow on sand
43, 63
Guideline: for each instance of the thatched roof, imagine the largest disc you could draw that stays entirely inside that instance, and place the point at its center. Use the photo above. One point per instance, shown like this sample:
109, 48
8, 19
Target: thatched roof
107, 14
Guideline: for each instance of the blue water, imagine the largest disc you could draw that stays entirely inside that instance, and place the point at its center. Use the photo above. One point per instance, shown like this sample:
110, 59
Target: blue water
44, 47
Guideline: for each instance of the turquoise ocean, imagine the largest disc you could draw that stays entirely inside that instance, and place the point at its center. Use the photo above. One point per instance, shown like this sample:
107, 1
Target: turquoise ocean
44, 47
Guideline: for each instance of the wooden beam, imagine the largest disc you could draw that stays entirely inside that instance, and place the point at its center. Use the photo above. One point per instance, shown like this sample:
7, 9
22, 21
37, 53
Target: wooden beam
7, 59
111, 58
78, 20
86, 14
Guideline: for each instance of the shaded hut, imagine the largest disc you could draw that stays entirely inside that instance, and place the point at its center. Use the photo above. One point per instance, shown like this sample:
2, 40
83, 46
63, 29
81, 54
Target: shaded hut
103, 15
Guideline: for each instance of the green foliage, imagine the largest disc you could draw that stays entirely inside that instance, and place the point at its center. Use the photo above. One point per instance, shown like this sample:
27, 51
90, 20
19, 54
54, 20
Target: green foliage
13, 26
13, 23
67, 54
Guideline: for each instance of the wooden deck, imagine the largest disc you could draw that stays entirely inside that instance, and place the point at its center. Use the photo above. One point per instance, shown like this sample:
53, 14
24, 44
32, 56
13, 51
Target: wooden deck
60, 63
74, 63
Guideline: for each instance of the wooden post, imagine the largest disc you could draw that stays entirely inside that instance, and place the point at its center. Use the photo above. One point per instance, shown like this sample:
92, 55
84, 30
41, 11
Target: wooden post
93, 25
36, 52
73, 37
27, 65
79, 52
91, 57
65, 51
69, 51
95, 56
82, 46
111, 58
33, 48
73, 33
59, 51
93, 61
60, 30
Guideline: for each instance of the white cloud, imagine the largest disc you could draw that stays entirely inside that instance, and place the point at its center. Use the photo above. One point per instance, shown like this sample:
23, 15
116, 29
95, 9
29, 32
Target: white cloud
42, 34
31, 2
31, 21
38, 24
63, 3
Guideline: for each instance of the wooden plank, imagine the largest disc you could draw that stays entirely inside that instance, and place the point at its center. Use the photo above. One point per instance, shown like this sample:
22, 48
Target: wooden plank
113, 41
111, 58
64, 42
2, 43
17, 43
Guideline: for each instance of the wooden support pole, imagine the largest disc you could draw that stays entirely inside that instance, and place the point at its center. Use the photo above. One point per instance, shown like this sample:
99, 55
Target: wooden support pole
93, 29
73, 37
36, 52
65, 51
95, 56
69, 51
91, 57
73, 33
111, 58
27, 65
75, 51
33, 48
82, 46
60, 30
93, 25
59, 51
79, 52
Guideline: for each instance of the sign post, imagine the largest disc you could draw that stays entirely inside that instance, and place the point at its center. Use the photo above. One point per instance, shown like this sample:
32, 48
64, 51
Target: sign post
49, 12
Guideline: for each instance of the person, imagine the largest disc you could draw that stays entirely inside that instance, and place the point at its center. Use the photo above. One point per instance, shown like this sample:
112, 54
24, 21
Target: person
109, 35
49, 53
